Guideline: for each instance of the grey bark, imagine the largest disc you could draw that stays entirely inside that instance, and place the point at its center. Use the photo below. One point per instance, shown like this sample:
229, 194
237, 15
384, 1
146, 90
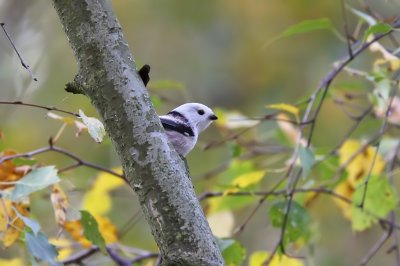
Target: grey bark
107, 75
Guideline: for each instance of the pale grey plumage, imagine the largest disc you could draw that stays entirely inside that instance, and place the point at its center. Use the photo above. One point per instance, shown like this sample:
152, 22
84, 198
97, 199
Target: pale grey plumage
184, 124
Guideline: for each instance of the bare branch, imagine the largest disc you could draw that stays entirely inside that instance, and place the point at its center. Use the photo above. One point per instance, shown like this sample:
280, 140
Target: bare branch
26, 66
80, 162
346, 29
378, 245
78, 257
381, 131
48, 108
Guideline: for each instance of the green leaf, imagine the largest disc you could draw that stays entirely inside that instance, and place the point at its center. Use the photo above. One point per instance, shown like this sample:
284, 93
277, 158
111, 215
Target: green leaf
306, 26
232, 251
37, 179
236, 150
380, 200
33, 225
23, 161
40, 248
95, 127
379, 28
307, 159
91, 231
327, 168
298, 223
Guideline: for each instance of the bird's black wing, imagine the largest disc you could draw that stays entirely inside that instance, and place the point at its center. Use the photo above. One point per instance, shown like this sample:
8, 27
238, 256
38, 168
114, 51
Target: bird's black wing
178, 127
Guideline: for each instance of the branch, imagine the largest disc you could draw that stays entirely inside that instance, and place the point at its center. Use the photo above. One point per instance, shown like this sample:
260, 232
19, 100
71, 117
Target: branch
381, 131
78, 257
48, 108
155, 171
26, 66
79, 161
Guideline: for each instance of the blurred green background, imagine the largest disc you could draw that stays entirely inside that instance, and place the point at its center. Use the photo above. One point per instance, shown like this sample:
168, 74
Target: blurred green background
217, 51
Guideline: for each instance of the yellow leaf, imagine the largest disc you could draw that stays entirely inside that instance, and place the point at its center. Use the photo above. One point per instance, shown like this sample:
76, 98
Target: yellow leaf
309, 198
8, 170
10, 225
64, 247
259, 257
75, 229
97, 200
12, 262
106, 227
107, 182
387, 57
60, 204
360, 166
229, 191
344, 189
285, 107
248, 179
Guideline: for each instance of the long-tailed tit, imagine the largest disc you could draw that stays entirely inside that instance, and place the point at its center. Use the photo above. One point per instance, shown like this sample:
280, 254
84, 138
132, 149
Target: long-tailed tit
184, 124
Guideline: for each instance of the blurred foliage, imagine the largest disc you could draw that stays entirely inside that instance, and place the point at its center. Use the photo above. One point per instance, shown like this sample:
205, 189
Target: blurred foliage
256, 63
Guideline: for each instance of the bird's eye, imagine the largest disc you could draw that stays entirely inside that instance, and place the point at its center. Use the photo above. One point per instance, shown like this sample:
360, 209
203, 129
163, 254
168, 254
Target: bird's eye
200, 112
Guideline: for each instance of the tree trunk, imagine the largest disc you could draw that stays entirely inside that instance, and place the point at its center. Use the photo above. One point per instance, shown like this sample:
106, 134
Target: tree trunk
107, 75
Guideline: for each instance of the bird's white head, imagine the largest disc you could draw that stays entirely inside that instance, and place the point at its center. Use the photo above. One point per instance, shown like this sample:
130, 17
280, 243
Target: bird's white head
197, 114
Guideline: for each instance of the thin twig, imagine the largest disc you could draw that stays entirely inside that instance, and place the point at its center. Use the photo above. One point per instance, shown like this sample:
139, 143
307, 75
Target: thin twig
358, 152
135, 218
348, 133
318, 190
79, 161
119, 260
26, 66
346, 29
48, 108
378, 245
143, 257
241, 227
78, 257
381, 130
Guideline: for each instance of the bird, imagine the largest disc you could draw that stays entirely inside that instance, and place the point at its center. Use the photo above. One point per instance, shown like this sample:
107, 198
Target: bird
184, 124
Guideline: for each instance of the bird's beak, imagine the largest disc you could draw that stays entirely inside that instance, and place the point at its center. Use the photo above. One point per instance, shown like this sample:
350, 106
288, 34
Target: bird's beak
213, 117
